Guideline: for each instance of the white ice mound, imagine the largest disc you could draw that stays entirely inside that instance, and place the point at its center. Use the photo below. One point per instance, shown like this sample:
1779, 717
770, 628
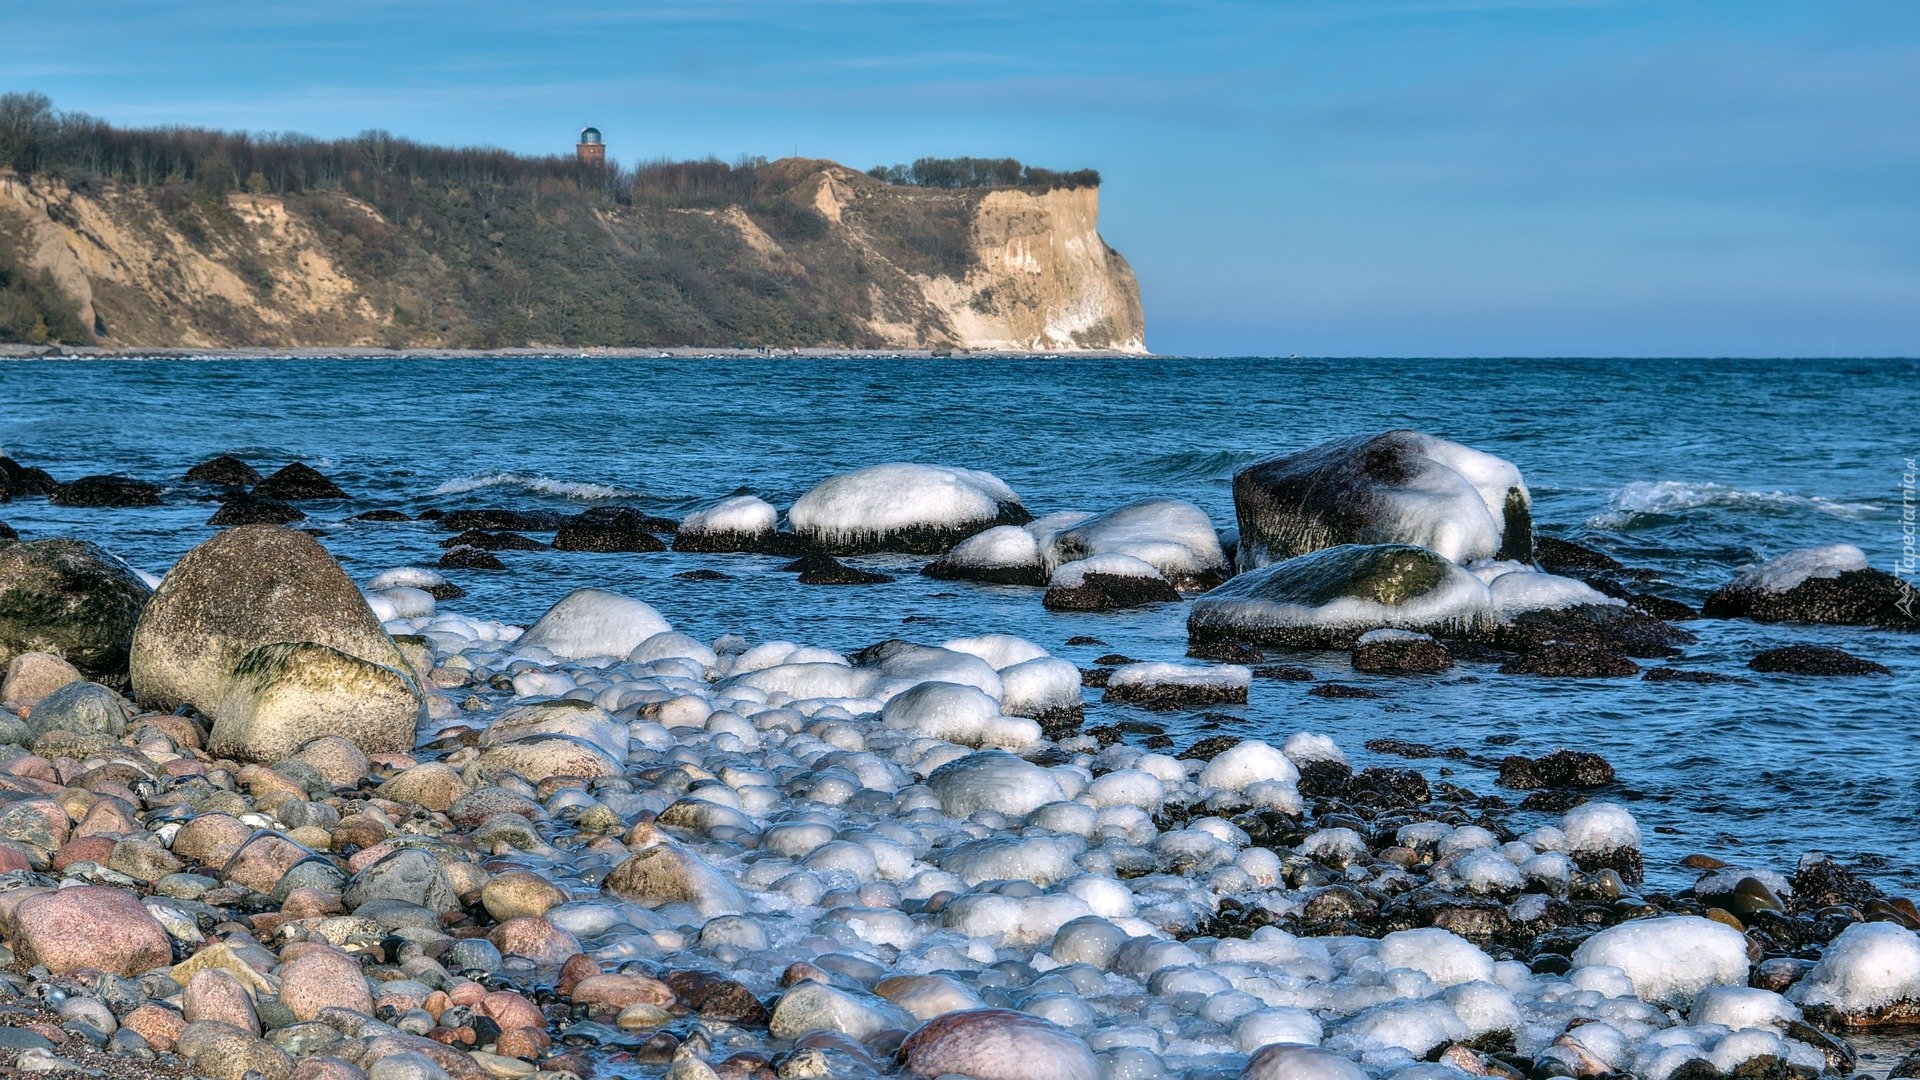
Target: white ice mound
1401, 487
1285, 1061
903, 507
902, 665
1789, 571
993, 780
1516, 588
1871, 968
1600, 828
1002, 555
1330, 597
958, 714
741, 523
594, 623
1443, 956
1181, 676
1039, 687
1246, 763
1175, 538
1074, 574
407, 577
1001, 650
1669, 959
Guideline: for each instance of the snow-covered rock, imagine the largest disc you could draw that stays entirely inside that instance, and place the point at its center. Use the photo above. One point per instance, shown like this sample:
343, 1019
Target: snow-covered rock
1175, 538
589, 623
903, 507
1330, 597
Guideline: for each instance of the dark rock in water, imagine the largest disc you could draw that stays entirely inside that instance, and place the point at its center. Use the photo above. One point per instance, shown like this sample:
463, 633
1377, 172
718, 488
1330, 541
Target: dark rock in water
1570, 661
611, 529
1325, 779
1820, 883
1095, 678
818, 568
944, 569
1357, 490
1114, 659
70, 598
493, 541
23, 481
1660, 607
105, 491
252, 510
1866, 597
1109, 592
497, 520
1814, 660
470, 558
1560, 769
1166, 697
1209, 748
380, 515
224, 471
1553, 800
1402, 656
1284, 673
1564, 557
1600, 627
1388, 789
1414, 750
1226, 652
444, 590
298, 481
1337, 691
1083, 639
7, 533
703, 575
1690, 675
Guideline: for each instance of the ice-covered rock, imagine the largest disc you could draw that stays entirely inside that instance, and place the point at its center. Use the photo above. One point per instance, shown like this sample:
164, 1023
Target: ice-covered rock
1330, 597
1830, 584
1245, 763
903, 507
1106, 583
1045, 686
992, 780
1286, 1061
1669, 959
1869, 975
588, 623
1400, 487
1445, 957
1175, 686
1001, 651
1175, 538
997, 1044
741, 523
1002, 555
958, 714
1603, 835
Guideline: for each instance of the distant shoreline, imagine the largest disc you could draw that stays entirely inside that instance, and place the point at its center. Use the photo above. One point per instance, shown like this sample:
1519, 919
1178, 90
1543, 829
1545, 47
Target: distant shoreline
362, 352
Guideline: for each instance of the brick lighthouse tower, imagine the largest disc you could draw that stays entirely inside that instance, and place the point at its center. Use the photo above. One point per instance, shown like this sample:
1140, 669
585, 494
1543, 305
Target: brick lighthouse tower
590, 150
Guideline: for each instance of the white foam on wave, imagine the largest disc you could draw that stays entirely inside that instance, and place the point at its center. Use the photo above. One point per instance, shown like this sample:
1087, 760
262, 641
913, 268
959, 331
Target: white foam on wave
1674, 497
540, 485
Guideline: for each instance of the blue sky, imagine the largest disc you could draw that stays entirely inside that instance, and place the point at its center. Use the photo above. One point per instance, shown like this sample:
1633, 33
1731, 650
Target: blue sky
1367, 177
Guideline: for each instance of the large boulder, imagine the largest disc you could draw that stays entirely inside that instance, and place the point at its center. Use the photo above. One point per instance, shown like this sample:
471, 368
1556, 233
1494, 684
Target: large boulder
90, 927
1400, 487
1831, 584
284, 695
69, 598
924, 509
247, 587
83, 708
593, 622
1176, 538
1330, 597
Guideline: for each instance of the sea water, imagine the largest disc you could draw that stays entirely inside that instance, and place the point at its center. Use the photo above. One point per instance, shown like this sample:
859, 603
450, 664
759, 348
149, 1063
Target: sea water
1691, 468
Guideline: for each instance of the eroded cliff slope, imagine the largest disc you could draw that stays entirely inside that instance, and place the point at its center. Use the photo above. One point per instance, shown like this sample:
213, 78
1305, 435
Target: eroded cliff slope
815, 255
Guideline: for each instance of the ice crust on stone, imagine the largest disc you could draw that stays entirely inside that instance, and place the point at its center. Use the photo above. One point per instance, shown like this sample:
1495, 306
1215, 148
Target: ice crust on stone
882, 499
593, 623
1869, 966
1246, 763
1074, 574
407, 577
1596, 828
1669, 959
1211, 676
1295, 595
1003, 547
1175, 538
1514, 589
1787, 572
743, 514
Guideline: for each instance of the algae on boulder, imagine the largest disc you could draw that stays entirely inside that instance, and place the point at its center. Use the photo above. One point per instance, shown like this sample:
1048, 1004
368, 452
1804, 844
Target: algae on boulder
284, 695
1329, 598
69, 598
247, 587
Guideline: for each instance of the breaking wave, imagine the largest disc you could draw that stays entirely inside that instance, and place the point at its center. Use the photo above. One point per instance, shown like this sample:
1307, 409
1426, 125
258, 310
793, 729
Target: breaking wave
539, 485
1673, 498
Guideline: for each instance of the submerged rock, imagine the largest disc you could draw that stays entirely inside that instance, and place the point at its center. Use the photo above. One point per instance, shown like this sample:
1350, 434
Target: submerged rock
817, 568
224, 471
921, 509
1329, 598
1570, 661
1400, 487
247, 587
106, 491
497, 520
611, 529
69, 598
245, 509
281, 696
1831, 584
297, 481
467, 557
1560, 769
1814, 660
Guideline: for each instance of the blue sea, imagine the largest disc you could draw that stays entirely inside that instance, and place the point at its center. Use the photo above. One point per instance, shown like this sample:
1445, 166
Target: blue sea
1690, 468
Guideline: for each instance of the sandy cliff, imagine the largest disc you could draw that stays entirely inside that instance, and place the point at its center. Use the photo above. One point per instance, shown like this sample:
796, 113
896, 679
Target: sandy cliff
826, 257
